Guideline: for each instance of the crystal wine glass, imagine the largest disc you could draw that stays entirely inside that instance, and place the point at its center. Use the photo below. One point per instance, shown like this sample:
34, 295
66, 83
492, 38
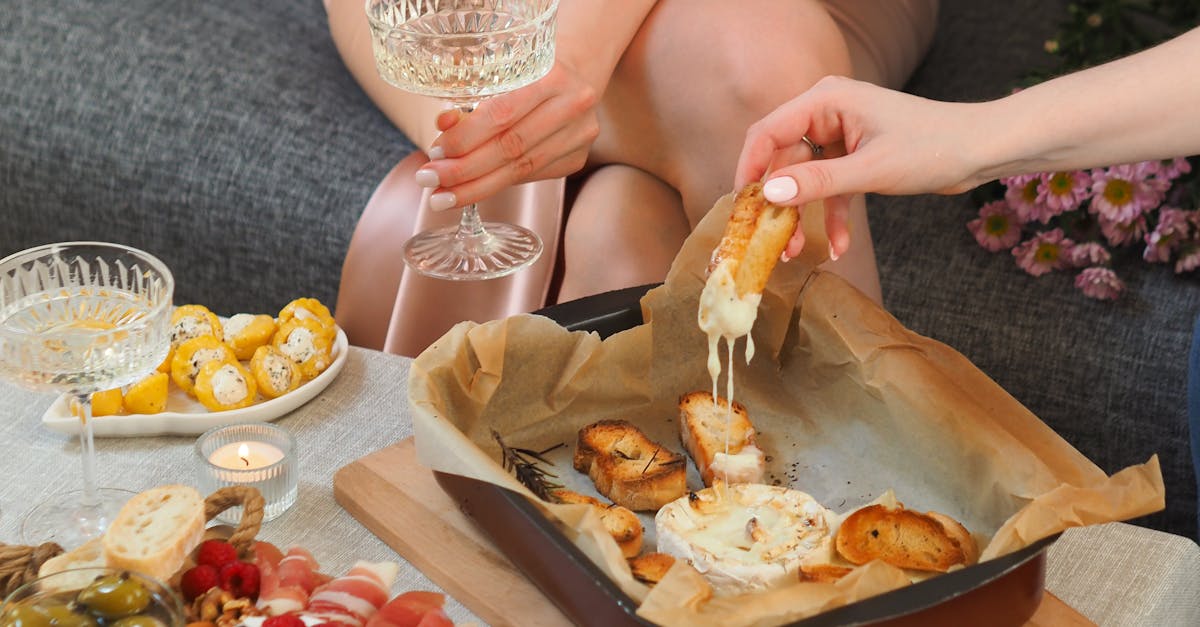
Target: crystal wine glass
77, 318
463, 51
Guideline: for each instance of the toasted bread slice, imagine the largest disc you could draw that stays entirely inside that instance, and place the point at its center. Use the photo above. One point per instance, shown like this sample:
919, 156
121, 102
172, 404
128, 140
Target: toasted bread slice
650, 568
155, 531
755, 236
721, 443
622, 524
905, 539
959, 534
628, 467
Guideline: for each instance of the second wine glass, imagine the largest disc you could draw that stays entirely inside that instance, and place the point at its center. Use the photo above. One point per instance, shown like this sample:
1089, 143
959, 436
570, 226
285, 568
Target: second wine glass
77, 318
464, 51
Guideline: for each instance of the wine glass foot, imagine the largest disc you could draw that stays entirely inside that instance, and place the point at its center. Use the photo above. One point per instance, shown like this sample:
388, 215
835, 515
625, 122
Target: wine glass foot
448, 254
65, 520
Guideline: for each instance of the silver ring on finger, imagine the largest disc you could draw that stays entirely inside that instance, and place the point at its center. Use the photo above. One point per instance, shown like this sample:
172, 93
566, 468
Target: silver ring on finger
817, 149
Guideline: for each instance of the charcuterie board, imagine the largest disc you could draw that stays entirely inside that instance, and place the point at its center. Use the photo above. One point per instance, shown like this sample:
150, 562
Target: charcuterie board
400, 501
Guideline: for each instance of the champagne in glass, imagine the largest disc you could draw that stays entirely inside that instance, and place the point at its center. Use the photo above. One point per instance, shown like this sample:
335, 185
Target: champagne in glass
77, 318
463, 51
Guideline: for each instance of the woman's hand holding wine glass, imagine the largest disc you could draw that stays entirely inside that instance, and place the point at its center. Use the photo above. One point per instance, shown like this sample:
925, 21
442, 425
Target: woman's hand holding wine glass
541, 131
465, 51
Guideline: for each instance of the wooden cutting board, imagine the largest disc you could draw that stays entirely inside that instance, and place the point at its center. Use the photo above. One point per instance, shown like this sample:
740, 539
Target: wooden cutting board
398, 499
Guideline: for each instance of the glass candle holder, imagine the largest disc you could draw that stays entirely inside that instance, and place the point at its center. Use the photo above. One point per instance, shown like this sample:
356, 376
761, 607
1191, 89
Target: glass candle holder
259, 455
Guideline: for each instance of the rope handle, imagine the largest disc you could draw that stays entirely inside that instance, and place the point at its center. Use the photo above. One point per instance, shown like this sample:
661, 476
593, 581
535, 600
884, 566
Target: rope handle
20, 564
252, 504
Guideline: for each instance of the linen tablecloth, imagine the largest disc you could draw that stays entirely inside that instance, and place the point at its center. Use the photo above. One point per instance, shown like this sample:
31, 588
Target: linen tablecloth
1115, 574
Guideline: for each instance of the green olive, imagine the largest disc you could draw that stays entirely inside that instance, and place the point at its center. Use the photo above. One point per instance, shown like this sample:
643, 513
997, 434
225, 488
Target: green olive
70, 615
26, 615
115, 596
142, 620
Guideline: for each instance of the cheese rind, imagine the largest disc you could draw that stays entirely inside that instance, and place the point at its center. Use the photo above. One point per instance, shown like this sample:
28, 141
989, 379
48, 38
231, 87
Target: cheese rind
743, 537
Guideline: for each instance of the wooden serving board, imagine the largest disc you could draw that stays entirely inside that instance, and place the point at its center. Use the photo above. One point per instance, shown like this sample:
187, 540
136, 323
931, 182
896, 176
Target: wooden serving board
398, 500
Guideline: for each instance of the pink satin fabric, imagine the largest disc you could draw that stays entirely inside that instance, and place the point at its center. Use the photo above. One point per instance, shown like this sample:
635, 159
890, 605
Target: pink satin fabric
383, 305
886, 39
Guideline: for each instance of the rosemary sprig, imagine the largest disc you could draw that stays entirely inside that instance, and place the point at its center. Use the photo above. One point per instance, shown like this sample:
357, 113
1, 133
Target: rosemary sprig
523, 463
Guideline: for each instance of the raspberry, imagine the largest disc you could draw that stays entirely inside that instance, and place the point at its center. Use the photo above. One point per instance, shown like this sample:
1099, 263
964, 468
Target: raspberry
198, 580
240, 579
216, 553
283, 620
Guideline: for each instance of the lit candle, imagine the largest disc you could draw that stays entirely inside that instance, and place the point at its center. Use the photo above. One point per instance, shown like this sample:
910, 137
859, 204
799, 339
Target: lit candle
246, 455
259, 455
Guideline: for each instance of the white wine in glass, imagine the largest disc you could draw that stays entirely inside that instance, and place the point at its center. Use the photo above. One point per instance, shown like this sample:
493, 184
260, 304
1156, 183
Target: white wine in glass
463, 51
78, 318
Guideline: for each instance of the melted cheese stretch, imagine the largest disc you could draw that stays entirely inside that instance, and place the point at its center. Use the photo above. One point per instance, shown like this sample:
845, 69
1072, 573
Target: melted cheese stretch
725, 315
743, 537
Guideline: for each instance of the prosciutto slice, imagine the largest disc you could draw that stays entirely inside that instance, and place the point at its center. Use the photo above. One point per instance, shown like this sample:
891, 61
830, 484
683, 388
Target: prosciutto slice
354, 597
412, 609
287, 586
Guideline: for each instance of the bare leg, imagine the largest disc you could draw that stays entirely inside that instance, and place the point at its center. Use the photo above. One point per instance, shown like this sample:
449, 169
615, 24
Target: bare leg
411, 113
697, 75
625, 228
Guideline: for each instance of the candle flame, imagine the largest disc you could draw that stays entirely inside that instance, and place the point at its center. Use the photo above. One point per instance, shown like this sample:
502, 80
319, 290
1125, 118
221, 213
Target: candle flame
243, 453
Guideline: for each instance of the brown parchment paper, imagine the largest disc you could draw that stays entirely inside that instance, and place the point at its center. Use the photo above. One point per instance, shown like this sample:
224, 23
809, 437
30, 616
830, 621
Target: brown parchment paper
848, 404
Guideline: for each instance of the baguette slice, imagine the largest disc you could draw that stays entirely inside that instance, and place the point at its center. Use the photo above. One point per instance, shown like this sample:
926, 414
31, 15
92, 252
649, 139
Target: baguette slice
629, 468
754, 238
620, 523
155, 531
703, 427
905, 539
88, 555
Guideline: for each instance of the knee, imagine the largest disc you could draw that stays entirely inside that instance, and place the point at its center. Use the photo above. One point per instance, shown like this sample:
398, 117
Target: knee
766, 62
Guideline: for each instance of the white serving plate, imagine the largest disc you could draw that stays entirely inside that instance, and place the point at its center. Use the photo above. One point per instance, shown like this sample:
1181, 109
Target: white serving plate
185, 415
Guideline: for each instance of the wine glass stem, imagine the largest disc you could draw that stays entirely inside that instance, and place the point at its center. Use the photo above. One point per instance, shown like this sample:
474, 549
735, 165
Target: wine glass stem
470, 226
87, 449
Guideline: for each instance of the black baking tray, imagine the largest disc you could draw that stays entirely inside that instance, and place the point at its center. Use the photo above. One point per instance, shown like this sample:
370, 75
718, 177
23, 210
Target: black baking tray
1003, 591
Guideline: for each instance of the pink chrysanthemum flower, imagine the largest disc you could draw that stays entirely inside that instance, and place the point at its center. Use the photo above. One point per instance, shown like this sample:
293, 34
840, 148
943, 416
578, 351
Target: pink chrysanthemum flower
1173, 228
1099, 283
1188, 260
1172, 169
1043, 252
1089, 254
1022, 195
1061, 192
1121, 233
1122, 193
997, 228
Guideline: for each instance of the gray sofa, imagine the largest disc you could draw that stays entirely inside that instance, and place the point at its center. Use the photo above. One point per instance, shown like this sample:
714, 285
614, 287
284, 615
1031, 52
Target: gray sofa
228, 139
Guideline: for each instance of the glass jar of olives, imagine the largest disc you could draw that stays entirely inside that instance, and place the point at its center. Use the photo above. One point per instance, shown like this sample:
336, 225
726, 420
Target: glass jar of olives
93, 597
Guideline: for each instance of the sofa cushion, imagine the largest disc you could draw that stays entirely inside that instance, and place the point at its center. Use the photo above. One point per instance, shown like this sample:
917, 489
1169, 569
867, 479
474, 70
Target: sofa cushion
226, 138
1111, 378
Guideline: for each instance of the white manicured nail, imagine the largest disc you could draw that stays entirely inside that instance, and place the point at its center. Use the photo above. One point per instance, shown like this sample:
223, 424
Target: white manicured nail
442, 201
436, 153
427, 178
780, 189
833, 256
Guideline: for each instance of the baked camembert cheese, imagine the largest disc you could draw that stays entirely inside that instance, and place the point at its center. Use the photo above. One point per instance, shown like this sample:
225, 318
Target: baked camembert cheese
743, 537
